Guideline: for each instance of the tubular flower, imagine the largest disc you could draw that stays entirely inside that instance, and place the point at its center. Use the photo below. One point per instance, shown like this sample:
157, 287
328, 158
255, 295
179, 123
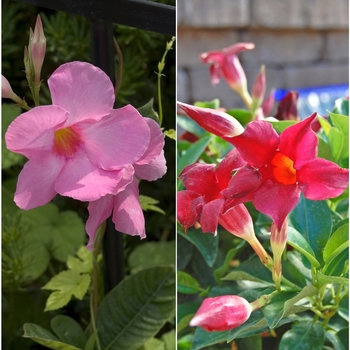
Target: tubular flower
124, 202
259, 88
226, 63
78, 146
278, 168
222, 313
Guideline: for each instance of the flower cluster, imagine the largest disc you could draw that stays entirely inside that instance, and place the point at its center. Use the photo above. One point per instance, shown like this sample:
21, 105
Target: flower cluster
82, 148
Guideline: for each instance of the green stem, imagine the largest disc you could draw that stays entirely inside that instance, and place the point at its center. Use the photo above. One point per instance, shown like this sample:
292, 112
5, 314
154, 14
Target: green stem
118, 78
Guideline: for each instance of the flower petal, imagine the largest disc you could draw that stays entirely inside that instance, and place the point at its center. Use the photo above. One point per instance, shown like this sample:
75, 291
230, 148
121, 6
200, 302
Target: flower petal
81, 180
33, 131
299, 142
127, 213
35, 186
210, 215
322, 179
152, 171
99, 211
82, 89
258, 144
276, 200
189, 208
118, 139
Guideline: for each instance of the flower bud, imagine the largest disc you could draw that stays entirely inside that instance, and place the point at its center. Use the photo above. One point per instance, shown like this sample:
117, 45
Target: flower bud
267, 105
222, 313
6, 89
287, 108
258, 91
216, 122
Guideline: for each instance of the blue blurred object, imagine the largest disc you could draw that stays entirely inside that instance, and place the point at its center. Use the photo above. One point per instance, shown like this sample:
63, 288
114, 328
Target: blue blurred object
318, 99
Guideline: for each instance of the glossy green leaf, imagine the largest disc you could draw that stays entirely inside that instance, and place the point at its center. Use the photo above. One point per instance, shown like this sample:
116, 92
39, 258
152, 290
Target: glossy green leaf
62, 232
242, 115
190, 125
337, 144
136, 309
303, 336
169, 340
336, 243
8, 113
344, 308
151, 254
90, 344
83, 262
147, 111
186, 284
324, 150
171, 133
185, 251
334, 339
322, 279
213, 104
297, 241
69, 331
203, 338
338, 265
206, 243
65, 285
281, 125
341, 106
193, 153
314, 221
343, 335
254, 342
152, 344
44, 337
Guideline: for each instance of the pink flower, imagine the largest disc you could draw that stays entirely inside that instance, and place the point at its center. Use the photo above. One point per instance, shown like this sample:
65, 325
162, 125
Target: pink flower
226, 63
258, 91
222, 313
78, 146
287, 108
279, 167
124, 200
6, 89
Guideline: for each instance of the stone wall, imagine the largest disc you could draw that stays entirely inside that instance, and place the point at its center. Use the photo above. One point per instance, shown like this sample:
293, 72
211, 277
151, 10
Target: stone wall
303, 43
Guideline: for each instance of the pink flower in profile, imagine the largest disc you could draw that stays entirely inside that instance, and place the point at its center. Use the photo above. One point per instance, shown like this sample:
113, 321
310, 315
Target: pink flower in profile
124, 203
226, 63
222, 313
78, 146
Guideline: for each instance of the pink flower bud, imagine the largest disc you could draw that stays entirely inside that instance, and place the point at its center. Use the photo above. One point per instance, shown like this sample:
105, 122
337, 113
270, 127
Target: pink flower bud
287, 108
6, 89
222, 313
267, 105
258, 91
37, 48
216, 122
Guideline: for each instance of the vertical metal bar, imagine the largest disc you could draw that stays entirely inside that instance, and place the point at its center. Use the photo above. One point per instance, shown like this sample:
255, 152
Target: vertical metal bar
113, 250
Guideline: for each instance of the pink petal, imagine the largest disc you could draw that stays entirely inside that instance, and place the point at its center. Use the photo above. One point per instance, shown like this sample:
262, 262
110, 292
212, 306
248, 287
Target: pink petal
152, 171
35, 186
210, 215
99, 211
82, 89
238, 47
33, 131
127, 176
322, 179
120, 138
299, 142
213, 57
215, 73
127, 213
276, 200
156, 144
258, 144
82, 180
189, 207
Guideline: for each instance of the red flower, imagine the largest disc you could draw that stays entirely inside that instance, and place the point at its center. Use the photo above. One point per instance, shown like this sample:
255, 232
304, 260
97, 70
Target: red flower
278, 168
287, 108
222, 313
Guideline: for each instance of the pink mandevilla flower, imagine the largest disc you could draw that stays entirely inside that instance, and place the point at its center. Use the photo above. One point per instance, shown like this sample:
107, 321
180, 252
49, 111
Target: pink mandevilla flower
78, 146
222, 313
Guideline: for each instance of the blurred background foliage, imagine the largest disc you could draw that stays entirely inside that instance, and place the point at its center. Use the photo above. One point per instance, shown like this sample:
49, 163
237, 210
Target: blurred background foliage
68, 39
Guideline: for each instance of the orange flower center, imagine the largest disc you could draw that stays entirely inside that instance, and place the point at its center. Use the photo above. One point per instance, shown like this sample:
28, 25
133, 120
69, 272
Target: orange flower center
283, 169
66, 141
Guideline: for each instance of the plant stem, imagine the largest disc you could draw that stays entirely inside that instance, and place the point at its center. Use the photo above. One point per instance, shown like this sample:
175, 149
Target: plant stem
118, 78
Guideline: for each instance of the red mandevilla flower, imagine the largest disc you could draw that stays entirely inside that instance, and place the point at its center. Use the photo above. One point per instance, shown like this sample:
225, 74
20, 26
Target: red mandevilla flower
222, 313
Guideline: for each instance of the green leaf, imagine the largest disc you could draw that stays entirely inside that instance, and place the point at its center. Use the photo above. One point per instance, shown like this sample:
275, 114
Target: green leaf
65, 285
343, 335
136, 309
207, 244
62, 232
341, 150
169, 339
44, 337
190, 125
334, 339
68, 331
298, 242
336, 244
152, 344
305, 335
279, 126
344, 308
323, 279
338, 264
203, 338
213, 104
147, 111
324, 150
313, 220
341, 106
193, 153
242, 115
171, 133
151, 254
83, 263
149, 203
9, 112
90, 344
254, 342
187, 284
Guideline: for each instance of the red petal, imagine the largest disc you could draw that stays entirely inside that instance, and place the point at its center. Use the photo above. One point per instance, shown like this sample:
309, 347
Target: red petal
322, 179
258, 144
299, 142
210, 215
